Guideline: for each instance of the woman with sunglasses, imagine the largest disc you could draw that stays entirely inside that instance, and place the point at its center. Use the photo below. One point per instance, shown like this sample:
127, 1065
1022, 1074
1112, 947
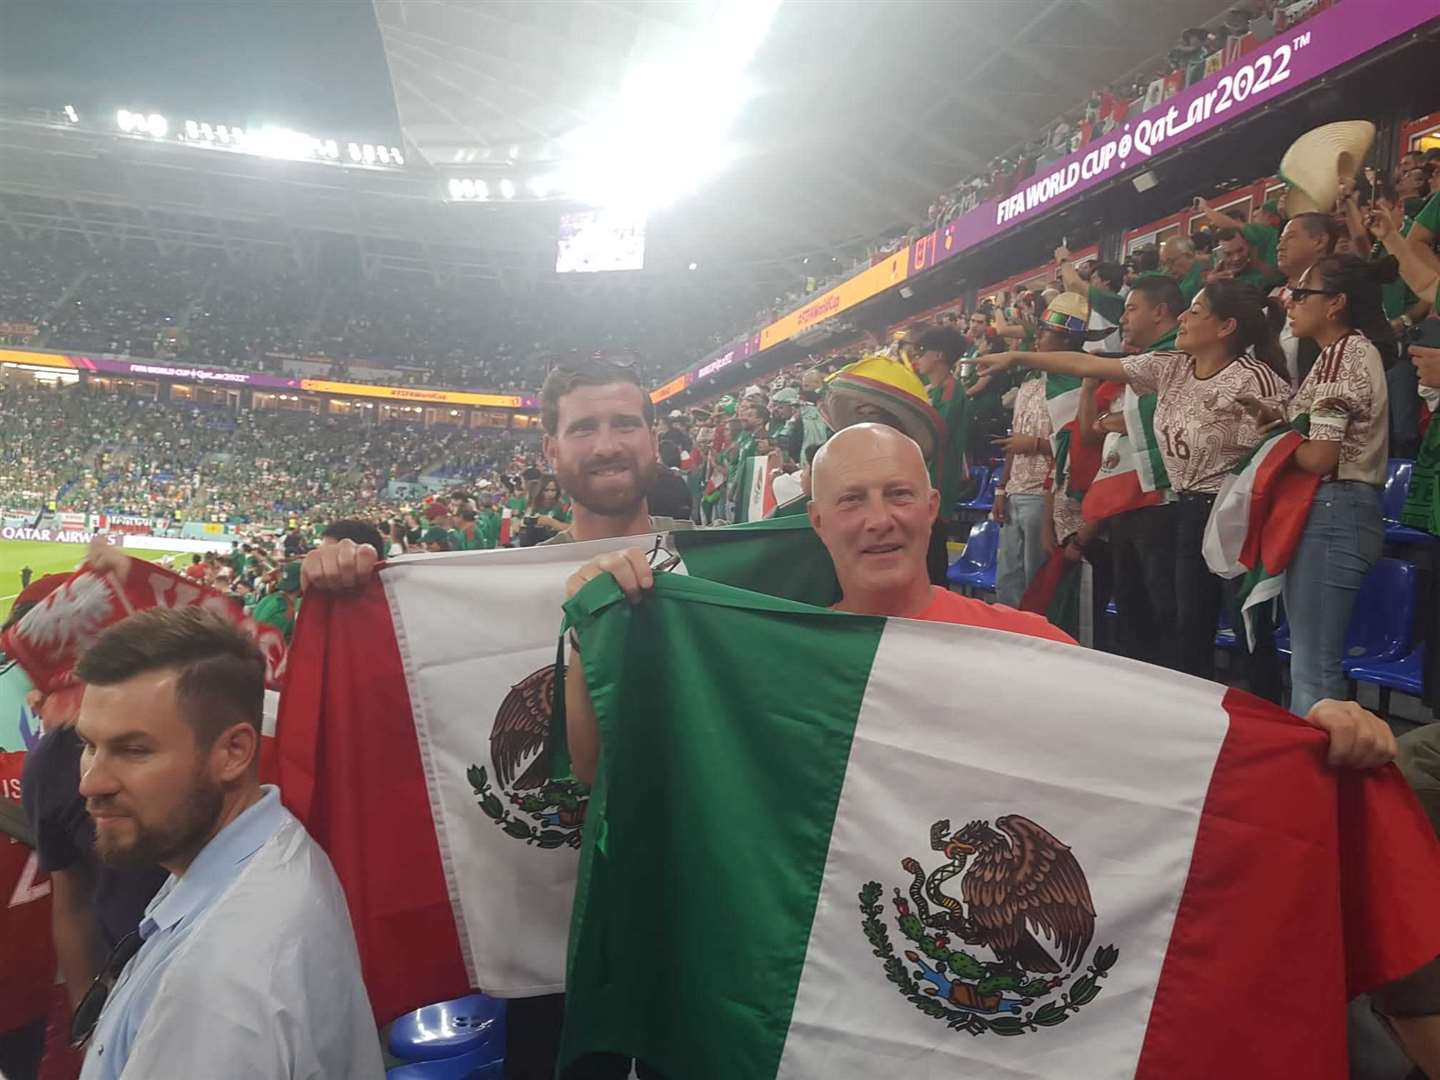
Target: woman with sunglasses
1227, 348
1338, 305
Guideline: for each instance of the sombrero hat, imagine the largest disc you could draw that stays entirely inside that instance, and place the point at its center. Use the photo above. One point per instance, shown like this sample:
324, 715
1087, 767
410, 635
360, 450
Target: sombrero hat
881, 389
1317, 161
1070, 312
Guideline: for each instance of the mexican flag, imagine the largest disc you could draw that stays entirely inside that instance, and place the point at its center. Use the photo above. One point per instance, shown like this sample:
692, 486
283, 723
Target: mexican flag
1132, 472
1259, 516
755, 498
908, 848
1062, 401
415, 744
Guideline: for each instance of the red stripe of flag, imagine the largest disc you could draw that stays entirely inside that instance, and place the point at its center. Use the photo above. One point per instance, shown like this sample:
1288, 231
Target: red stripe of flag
350, 770
1253, 842
1272, 462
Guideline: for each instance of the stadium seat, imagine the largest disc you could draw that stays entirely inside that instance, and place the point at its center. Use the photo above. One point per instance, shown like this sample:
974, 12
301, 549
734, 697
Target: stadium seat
986, 480
1406, 675
1384, 612
1392, 502
474, 1023
468, 1066
975, 569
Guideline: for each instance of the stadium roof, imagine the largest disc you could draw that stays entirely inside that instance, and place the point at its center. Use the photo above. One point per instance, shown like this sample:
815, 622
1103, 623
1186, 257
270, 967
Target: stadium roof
864, 112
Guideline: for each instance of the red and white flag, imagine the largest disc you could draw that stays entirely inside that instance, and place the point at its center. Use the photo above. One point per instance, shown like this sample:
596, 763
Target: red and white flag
1258, 518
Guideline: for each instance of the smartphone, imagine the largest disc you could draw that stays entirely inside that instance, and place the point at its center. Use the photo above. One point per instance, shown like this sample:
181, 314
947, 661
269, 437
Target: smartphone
1425, 333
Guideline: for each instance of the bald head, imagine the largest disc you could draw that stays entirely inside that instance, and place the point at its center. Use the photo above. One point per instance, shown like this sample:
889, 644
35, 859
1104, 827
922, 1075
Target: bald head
872, 506
866, 445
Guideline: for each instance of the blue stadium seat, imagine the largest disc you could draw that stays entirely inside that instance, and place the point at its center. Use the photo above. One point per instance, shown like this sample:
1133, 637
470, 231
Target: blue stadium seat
1384, 612
975, 569
987, 480
1392, 501
474, 1023
468, 1066
1406, 675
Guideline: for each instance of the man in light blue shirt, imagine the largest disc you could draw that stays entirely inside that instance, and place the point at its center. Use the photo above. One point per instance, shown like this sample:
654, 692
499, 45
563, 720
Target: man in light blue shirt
246, 965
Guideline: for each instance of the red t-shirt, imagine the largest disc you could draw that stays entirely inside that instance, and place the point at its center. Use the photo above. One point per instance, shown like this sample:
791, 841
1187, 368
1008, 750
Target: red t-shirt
949, 607
196, 571
29, 966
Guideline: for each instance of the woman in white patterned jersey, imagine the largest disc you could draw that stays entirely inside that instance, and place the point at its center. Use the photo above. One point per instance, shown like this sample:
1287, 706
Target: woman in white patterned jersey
1337, 305
1228, 348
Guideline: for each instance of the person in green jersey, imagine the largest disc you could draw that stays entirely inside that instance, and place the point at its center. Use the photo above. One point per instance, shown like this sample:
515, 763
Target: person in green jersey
936, 352
1185, 264
1236, 259
1101, 286
280, 607
1264, 241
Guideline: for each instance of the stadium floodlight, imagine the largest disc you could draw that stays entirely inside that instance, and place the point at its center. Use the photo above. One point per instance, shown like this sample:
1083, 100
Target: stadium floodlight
71, 114
157, 125
238, 135
467, 189
397, 157
367, 153
482, 189
332, 150
457, 190
668, 129
222, 133
125, 120
281, 143
383, 153
207, 132
507, 188
694, 266
192, 129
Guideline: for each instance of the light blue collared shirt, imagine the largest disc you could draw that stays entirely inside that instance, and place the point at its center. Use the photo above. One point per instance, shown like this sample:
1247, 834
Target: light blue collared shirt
248, 968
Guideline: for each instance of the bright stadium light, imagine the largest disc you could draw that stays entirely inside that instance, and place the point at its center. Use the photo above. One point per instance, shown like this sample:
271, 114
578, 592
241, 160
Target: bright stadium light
192, 129
367, 152
354, 151
157, 125
207, 132
482, 189
71, 114
467, 188
124, 120
507, 188
397, 157
383, 153
457, 190
222, 133
281, 143
668, 128
332, 150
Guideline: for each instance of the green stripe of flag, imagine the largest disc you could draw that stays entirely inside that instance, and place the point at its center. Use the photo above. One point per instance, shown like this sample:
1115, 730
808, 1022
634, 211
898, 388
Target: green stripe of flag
752, 851
778, 556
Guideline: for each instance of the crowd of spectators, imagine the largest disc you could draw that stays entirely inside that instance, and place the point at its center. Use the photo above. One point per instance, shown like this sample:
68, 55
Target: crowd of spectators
77, 450
256, 311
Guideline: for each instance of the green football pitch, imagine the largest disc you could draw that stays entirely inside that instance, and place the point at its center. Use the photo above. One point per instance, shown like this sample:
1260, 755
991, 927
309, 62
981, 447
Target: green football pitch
43, 558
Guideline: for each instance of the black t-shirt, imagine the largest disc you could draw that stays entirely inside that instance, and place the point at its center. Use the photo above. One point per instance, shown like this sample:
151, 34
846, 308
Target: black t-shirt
65, 835
669, 495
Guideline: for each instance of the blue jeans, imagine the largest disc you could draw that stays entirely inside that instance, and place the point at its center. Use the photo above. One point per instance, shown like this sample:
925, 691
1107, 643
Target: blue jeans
1022, 547
1341, 542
